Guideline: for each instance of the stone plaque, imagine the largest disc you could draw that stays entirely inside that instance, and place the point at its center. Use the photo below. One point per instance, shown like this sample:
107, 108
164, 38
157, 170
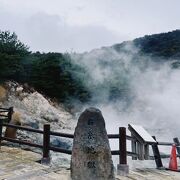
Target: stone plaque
91, 155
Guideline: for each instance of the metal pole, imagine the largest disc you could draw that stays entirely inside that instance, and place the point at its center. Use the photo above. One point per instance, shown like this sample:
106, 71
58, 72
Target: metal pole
46, 144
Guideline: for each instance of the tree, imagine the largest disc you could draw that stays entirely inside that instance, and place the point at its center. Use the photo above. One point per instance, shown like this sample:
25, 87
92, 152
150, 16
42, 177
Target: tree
12, 52
11, 45
53, 74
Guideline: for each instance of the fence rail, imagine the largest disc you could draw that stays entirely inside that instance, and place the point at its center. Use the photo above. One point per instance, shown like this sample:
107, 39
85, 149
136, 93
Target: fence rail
46, 147
47, 133
22, 142
6, 109
9, 112
61, 134
23, 128
165, 143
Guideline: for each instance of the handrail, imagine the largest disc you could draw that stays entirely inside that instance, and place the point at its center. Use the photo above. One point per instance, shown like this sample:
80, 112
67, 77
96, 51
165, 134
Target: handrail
113, 136
66, 135
7, 109
165, 143
4, 111
46, 146
9, 112
117, 152
2, 115
61, 134
57, 149
23, 128
130, 138
22, 142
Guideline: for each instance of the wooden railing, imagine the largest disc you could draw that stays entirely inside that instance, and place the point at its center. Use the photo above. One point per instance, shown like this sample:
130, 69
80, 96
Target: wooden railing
47, 133
6, 113
47, 147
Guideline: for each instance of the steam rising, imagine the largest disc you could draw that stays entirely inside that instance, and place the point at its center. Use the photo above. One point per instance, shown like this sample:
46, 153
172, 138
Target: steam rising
149, 90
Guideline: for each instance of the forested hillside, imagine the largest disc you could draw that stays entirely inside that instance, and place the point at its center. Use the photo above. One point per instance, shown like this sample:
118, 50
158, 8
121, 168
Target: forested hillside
166, 45
53, 74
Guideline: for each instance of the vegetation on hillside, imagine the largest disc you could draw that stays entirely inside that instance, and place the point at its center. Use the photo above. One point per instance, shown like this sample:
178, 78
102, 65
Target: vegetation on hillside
58, 76
53, 74
165, 45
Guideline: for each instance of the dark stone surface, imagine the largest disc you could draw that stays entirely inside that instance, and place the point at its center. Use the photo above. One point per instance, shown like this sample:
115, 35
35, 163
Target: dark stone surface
34, 125
91, 155
59, 142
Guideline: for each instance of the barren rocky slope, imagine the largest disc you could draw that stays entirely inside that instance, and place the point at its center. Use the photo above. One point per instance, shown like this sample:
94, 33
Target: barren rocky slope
35, 111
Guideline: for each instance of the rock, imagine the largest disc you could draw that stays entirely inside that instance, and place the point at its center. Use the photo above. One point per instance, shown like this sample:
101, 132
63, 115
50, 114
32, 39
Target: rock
3, 94
59, 142
36, 111
91, 156
34, 125
19, 89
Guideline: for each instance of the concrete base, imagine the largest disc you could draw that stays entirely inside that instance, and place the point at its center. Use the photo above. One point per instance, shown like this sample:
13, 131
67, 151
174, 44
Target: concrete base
161, 168
45, 161
122, 169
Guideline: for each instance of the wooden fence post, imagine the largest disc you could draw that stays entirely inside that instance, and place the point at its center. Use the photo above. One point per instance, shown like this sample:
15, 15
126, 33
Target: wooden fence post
46, 144
0, 131
10, 114
122, 145
133, 147
157, 155
122, 167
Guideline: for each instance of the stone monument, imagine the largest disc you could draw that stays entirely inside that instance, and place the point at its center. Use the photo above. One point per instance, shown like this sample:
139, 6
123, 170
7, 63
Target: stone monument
91, 155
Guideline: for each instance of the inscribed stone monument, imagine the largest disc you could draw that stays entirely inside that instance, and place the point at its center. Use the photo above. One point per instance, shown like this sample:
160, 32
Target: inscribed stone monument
91, 155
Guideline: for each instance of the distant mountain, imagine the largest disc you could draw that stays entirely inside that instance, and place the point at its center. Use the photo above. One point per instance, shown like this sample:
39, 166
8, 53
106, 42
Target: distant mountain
166, 45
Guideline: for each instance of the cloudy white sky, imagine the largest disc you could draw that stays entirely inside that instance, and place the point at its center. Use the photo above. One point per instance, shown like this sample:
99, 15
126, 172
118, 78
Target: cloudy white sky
81, 25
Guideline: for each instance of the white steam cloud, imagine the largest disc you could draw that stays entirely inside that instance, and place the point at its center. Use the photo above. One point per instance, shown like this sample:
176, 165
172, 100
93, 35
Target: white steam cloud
152, 88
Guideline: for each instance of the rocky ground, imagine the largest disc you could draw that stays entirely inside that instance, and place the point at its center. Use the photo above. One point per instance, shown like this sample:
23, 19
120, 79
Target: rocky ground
35, 111
19, 164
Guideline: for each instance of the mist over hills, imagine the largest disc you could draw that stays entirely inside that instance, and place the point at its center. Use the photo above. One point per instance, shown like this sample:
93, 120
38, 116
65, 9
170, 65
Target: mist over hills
112, 71
101, 75
129, 82
136, 82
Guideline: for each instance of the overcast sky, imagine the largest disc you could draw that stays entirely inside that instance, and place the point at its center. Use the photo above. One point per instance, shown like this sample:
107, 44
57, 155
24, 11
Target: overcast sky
82, 25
